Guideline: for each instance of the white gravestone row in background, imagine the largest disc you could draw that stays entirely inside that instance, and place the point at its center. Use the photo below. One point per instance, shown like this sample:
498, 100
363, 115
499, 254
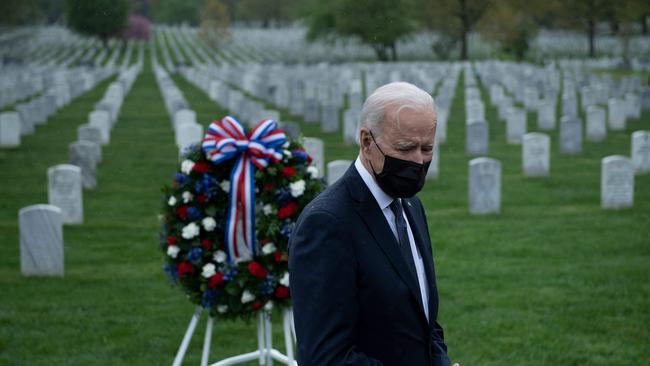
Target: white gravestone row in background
41, 240
9, 130
641, 151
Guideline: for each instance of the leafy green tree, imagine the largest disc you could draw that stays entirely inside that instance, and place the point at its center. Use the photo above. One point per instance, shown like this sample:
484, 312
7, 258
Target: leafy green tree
585, 14
101, 18
378, 23
454, 20
176, 11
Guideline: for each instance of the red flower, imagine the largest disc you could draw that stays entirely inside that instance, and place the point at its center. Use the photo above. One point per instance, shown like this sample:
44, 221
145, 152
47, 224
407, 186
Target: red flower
282, 292
279, 257
205, 243
288, 210
202, 198
257, 305
201, 167
184, 268
215, 280
270, 187
257, 270
172, 240
288, 171
182, 212
309, 159
263, 242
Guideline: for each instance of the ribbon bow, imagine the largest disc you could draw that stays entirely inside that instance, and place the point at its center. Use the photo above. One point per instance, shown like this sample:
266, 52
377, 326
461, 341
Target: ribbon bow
227, 139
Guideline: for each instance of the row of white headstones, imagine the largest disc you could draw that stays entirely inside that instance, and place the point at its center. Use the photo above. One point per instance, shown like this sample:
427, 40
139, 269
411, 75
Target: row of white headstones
41, 225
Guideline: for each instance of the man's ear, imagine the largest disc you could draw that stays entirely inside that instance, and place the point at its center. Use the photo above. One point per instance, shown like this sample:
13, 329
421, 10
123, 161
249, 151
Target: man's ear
364, 139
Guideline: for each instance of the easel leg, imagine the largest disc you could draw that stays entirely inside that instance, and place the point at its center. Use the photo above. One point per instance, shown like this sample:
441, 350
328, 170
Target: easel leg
288, 342
269, 338
206, 342
180, 355
260, 337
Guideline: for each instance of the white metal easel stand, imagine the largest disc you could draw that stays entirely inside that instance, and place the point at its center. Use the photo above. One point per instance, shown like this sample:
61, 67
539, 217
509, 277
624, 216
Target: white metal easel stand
265, 352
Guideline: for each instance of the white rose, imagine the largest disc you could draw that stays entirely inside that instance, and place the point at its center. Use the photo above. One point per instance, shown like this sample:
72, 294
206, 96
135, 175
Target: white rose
209, 223
247, 296
172, 201
225, 186
267, 209
268, 306
190, 231
297, 188
287, 154
186, 166
284, 281
222, 309
209, 270
313, 171
219, 256
187, 196
269, 249
286, 144
173, 250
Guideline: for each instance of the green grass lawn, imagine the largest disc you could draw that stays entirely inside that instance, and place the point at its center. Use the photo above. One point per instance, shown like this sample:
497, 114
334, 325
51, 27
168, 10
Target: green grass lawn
552, 280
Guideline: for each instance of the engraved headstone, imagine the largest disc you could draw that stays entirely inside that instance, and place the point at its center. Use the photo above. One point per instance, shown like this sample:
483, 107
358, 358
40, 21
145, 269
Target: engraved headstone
484, 186
336, 169
314, 147
476, 138
536, 155
596, 124
9, 129
90, 133
615, 114
641, 151
83, 154
101, 120
570, 135
617, 182
516, 125
65, 191
41, 240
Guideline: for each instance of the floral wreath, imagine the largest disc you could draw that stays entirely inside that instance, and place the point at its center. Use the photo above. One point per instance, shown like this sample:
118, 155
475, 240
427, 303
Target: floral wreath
228, 216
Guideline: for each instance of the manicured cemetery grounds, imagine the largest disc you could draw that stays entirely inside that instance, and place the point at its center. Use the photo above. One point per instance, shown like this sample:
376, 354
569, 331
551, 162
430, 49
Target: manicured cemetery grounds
552, 279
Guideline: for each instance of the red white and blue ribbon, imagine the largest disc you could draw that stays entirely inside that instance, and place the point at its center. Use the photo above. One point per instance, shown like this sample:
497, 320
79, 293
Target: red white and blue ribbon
227, 139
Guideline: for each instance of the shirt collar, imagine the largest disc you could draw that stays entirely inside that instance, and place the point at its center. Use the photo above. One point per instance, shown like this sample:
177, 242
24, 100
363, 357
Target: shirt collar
381, 197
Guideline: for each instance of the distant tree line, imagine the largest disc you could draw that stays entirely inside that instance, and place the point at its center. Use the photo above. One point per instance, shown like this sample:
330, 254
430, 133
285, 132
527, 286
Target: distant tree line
378, 23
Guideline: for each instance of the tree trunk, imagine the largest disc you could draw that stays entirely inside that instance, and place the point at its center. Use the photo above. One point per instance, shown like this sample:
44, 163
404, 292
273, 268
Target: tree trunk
465, 27
591, 33
393, 49
380, 51
644, 24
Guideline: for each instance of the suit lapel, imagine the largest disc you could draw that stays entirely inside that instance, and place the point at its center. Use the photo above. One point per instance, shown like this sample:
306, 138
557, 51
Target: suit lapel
369, 211
415, 221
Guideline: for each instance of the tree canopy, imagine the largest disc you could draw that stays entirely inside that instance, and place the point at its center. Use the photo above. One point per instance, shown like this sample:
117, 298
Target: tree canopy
101, 18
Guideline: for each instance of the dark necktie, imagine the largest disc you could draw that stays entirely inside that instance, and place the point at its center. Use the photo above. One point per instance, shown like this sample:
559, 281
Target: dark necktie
403, 237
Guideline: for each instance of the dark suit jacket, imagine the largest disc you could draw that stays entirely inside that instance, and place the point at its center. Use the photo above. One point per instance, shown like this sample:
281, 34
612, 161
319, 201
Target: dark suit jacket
355, 301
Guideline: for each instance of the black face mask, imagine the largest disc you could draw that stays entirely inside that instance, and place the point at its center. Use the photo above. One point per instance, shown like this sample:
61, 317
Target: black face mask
400, 178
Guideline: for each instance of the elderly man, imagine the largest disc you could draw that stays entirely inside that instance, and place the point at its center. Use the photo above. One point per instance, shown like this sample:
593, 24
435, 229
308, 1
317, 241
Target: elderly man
362, 277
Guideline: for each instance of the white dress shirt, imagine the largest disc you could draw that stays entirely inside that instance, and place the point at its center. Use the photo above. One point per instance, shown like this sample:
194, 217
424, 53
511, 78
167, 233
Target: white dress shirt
384, 202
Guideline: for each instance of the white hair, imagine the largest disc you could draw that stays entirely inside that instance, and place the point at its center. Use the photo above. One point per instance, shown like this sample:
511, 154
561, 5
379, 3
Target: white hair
397, 95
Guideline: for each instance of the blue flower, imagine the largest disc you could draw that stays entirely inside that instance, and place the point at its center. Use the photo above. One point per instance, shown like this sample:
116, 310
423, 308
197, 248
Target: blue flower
194, 214
181, 179
268, 286
299, 155
230, 274
287, 228
283, 195
170, 271
208, 298
208, 186
195, 255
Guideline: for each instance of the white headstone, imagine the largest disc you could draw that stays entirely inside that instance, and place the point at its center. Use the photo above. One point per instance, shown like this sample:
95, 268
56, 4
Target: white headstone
188, 134
41, 240
536, 155
617, 182
184, 116
101, 120
476, 138
434, 167
314, 147
351, 119
9, 129
570, 135
546, 116
83, 155
616, 115
516, 125
336, 169
90, 133
330, 118
484, 186
65, 191
596, 124
641, 151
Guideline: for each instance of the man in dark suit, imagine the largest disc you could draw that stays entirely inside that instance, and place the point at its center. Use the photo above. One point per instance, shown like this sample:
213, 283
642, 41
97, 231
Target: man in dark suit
362, 277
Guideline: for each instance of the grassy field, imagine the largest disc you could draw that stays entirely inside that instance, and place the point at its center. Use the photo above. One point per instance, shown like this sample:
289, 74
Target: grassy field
552, 280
